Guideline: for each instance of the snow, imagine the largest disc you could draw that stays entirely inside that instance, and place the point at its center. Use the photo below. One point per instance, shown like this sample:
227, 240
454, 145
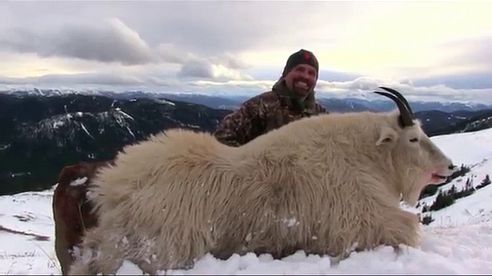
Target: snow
130, 131
467, 148
162, 101
58, 123
4, 147
22, 254
86, 131
124, 113
459, 241
290, 221
78, 181
469, 210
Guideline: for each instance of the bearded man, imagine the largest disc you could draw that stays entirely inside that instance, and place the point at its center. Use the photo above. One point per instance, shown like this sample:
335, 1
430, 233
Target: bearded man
291, 98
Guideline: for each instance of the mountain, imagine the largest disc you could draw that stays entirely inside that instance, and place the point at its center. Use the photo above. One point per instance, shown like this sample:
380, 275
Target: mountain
231, 102
480, 120
436, 122
215, 102
42, 134
436, 118
458, 241
357, 105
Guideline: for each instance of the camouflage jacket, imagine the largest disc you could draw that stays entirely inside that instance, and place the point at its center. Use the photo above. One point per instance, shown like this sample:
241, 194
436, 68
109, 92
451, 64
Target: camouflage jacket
264, 113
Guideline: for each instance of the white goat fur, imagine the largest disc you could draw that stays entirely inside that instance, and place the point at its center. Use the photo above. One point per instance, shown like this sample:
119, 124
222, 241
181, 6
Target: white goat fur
321, 184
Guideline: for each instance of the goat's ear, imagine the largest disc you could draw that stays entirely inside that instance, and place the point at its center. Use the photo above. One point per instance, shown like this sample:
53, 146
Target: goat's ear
387, 136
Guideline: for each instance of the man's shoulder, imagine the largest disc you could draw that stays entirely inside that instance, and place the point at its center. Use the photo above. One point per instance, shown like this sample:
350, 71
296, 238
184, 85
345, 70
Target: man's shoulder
265, 97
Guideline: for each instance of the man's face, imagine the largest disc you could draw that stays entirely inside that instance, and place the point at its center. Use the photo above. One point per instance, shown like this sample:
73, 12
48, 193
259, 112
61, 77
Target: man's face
301, 79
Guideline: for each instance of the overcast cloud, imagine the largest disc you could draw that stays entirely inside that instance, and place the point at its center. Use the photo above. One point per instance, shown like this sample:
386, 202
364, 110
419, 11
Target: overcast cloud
111, 41
428, 49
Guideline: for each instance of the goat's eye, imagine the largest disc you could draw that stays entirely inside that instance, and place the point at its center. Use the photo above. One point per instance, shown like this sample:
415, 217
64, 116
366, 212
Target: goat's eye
414, 140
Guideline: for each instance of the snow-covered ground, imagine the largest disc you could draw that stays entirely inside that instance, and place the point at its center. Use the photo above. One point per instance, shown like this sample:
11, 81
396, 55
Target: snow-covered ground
27, 253
459, 241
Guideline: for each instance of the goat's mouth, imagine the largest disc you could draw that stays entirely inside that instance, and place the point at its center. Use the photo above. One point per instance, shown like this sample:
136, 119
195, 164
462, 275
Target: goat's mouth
438, 177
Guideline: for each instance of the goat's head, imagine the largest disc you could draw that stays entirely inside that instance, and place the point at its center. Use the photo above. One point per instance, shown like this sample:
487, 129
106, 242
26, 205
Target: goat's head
416, 159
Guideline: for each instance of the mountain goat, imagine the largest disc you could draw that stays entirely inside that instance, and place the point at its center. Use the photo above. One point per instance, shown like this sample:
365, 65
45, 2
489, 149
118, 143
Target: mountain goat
325, 184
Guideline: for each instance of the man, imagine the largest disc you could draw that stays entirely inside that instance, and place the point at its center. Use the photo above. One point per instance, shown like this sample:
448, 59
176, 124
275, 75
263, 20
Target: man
291, 98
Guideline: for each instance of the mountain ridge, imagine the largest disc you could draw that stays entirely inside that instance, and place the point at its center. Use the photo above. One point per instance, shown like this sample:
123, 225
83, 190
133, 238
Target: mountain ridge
231, 102
43, 134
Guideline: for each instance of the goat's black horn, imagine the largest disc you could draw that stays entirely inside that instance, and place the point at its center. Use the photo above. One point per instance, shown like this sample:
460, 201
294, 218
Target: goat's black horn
405, 116
400, 96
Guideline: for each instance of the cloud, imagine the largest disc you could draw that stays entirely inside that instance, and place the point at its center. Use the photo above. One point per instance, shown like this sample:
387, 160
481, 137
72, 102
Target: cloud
206, 69
469, 55
363, 86
230, 61
465, 64
172, 54
361, 83
459, 81
92, 78
12, 81
248, 88
206, 28
197, 69
76, 79
222, 67
112, 41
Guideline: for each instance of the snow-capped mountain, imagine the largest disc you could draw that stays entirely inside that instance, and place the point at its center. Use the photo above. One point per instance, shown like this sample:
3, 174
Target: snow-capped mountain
231, 102
458, 241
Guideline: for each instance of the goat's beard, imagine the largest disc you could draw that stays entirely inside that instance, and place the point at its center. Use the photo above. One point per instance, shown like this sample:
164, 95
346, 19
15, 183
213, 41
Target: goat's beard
411, 198
412, 190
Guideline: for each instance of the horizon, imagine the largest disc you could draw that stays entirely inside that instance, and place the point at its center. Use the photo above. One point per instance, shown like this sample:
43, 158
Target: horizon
363, 97
430, 51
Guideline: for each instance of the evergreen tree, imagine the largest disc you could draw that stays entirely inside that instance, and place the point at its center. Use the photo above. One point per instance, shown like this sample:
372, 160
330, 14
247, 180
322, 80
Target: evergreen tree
469, 185
486, 181
425, 208
452, 190
443, 200
427, 219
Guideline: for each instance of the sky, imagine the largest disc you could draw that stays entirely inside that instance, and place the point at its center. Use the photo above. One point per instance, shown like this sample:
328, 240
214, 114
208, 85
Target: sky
458, 241
429, 50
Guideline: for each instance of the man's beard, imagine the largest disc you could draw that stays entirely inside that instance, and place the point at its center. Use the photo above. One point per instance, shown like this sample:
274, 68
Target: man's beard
302, 87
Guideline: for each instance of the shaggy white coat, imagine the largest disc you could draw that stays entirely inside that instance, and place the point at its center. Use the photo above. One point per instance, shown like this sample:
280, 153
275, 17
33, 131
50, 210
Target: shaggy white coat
325, 184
